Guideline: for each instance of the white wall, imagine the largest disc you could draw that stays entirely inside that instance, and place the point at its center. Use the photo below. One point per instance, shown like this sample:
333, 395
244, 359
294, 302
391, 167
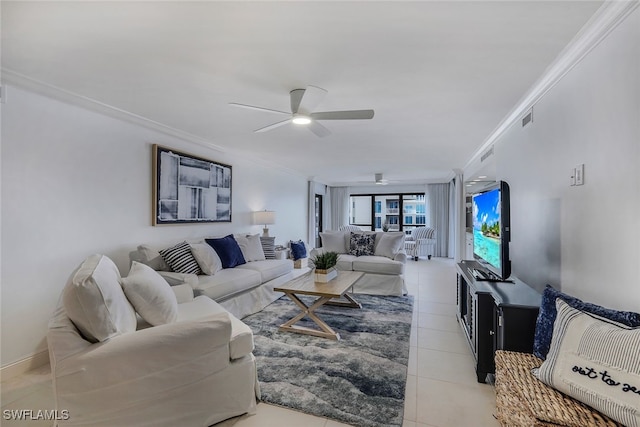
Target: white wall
584, 239
75, 182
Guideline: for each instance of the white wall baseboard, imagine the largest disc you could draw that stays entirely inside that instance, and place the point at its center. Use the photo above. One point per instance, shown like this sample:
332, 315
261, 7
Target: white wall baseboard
25, 365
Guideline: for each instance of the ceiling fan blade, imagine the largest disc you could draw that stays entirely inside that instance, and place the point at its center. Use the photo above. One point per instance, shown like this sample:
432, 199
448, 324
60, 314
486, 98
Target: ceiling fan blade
318, 129
311, 98
343, 115
273, 126
253, 107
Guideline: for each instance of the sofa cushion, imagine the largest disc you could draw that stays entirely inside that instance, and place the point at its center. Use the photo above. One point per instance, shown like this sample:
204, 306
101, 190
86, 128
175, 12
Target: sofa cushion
362, 244
345, 262
150, 295
250, 246
95, 302
180, 259
389, 244
226, 283
378, 265
207, 258
547, 317
151, 257
595, 361
334, 241
228, 250
241, 342
270, 269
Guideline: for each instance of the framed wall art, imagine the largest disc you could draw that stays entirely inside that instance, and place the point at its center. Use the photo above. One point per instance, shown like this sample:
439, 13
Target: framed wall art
189, 189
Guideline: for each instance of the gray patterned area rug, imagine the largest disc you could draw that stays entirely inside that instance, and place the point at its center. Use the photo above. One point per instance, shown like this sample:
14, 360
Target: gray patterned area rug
359, 380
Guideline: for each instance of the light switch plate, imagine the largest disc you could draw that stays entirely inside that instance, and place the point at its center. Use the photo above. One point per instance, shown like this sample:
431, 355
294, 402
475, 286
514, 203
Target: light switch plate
580, 174
572, 179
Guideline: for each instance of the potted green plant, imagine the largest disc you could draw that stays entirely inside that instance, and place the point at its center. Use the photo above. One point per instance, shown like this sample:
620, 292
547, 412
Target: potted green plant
325, 266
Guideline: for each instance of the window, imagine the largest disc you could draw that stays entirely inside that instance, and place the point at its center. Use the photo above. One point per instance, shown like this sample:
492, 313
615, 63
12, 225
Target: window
393, 212
361, 214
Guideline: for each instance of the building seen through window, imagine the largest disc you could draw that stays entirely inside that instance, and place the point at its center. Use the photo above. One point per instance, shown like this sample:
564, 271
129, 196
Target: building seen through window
388, 212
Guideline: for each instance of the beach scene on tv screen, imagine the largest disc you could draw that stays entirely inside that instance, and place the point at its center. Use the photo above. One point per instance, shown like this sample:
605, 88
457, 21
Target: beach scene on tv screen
486, 226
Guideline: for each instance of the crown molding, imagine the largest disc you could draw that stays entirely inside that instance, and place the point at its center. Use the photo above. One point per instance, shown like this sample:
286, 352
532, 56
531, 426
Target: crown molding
51, 91
68, 97
597, 28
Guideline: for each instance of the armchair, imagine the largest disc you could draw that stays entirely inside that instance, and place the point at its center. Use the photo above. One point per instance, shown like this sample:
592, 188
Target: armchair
196, 371
421, 242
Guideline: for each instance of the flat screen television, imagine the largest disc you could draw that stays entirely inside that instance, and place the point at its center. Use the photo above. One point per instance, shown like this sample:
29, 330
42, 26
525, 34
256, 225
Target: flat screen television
492, 230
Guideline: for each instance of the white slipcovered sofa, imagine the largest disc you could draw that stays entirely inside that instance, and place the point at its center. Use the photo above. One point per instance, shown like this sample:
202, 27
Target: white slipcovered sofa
384, 268
242, 290
111, 367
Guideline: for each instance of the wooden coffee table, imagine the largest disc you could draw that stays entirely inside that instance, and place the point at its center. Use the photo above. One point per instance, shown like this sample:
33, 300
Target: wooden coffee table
330, 293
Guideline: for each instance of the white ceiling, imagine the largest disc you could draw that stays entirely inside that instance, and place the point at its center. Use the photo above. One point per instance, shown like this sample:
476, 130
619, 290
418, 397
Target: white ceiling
440, 75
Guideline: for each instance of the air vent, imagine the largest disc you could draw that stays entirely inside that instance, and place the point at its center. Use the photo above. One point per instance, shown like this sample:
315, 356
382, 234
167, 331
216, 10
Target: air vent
528, 118
487, 154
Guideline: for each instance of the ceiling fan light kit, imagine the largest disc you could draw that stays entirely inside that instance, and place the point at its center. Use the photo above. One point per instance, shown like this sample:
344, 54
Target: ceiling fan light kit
303, 102
380, 180
300, 119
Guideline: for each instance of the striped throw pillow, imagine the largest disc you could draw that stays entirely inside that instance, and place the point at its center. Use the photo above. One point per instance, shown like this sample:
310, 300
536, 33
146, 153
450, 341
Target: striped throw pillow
268, 247
180, 259
595, 361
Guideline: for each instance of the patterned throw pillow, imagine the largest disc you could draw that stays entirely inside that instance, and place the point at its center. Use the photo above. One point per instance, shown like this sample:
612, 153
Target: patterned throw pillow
268, 247
180, 259
362, 244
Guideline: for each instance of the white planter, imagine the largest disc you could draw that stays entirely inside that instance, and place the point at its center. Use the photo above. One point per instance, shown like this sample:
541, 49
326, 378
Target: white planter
324, 276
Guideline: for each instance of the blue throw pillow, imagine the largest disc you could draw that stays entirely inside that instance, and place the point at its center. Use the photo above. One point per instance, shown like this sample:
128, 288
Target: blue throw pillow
228, 250
298, 250
548, 313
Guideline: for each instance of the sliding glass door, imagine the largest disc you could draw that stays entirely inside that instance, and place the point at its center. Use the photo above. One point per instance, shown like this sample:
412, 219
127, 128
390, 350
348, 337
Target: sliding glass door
388, 212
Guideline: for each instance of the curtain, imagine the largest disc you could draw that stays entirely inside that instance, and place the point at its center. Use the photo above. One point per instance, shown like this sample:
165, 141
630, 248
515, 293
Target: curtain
458, 240
339, 207
438, 195
311, 215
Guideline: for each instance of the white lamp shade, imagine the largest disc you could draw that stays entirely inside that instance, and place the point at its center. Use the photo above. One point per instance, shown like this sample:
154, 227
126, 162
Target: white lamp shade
264, 217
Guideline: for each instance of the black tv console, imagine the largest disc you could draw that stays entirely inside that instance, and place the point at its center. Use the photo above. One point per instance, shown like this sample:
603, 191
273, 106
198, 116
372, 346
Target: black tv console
494, 315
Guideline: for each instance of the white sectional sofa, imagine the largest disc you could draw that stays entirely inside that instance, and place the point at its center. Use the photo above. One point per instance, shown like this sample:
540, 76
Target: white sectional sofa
241, 290
384, 268
111, 367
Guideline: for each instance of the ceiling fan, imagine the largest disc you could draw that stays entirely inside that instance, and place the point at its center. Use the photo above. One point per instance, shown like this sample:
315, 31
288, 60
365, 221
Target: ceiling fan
303, 102
380, 180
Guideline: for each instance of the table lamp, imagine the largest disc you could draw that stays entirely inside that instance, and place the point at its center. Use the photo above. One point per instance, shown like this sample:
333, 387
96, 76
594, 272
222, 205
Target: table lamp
264, 217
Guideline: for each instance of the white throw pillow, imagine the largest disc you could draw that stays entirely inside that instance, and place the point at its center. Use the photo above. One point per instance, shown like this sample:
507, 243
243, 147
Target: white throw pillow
334, 241
250, 246
207, 258
95, 302
389, 244
596, 362
150, 295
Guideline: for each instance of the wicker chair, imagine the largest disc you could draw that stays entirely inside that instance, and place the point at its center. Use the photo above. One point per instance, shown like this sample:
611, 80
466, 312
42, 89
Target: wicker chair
523, 401
421, 242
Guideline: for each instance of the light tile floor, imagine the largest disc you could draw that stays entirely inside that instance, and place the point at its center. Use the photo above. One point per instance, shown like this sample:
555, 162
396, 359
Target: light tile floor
442, 390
